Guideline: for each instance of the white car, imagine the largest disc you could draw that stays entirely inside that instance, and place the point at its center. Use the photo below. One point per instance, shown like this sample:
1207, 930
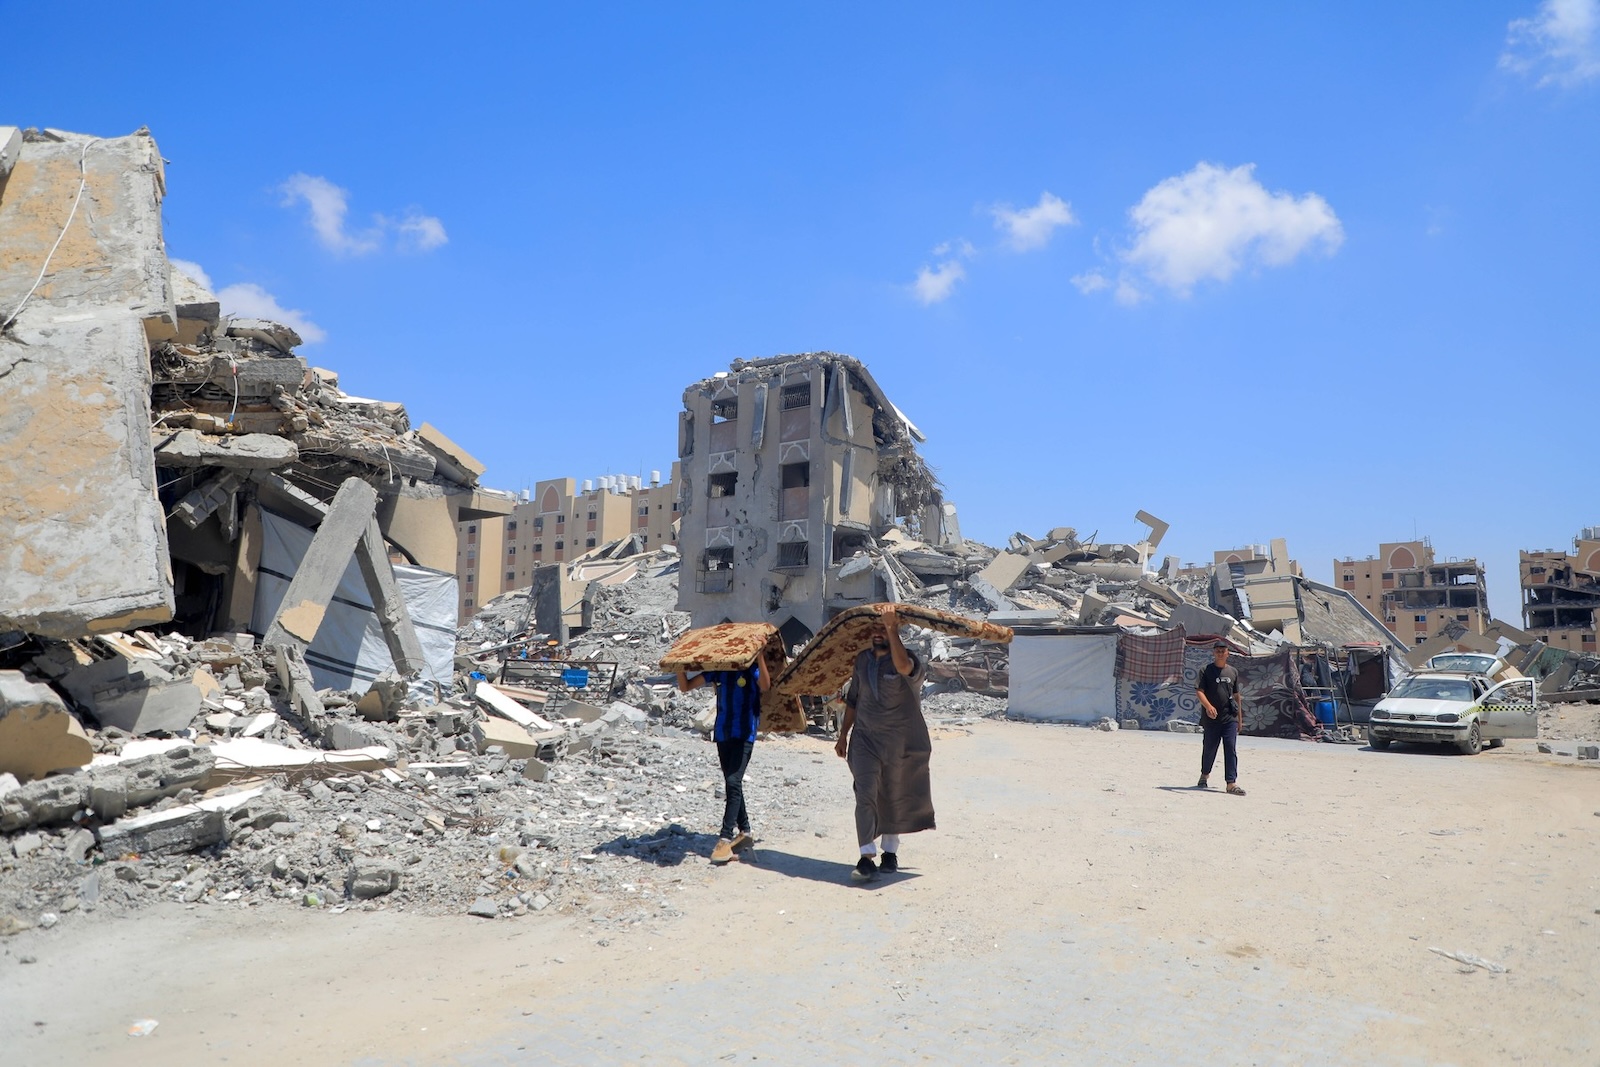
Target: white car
1460, 708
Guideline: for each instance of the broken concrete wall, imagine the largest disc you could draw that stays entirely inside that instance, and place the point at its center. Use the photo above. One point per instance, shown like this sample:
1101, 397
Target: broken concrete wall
83, 544
38, 735
112, 256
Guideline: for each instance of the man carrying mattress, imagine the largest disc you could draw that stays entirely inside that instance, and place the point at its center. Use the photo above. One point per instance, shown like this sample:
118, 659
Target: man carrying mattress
738, 713
885, 739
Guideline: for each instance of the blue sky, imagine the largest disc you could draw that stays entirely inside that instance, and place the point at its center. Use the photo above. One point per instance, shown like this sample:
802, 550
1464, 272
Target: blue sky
1262, 269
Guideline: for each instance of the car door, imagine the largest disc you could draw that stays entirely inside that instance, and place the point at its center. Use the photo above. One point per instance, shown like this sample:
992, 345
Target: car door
1510, 709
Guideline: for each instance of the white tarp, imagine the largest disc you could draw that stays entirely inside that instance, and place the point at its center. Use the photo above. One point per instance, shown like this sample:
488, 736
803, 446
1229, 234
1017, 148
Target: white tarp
1063, 677
350, 651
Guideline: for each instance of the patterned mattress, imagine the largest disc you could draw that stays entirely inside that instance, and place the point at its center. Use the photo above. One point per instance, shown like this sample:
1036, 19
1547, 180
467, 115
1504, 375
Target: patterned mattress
823, 667
727, 646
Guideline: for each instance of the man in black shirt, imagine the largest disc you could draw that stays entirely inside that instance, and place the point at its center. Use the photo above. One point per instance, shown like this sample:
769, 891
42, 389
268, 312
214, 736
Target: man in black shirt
1218, 690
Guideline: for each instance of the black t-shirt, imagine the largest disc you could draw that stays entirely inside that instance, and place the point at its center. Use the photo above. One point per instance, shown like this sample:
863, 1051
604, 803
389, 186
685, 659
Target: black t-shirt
1221, 687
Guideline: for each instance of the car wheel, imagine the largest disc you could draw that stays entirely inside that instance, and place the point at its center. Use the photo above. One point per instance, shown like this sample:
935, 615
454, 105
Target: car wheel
1498, 742
1474, 742
1377, 744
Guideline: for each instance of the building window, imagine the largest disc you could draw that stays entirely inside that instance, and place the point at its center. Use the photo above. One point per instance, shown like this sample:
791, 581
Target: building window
472, 529
794, 554
560, 545
588, 542
674, 507
511, 576
469, 579
724, 410
469, 602
560, 519
591, 515
1388, 576
1350, 578
472, 554
1461, 618
512, 551
538, 524
722, 484
796, 475
719, 558
644, 510
1420, 618
538, 546
511, 526
797, 396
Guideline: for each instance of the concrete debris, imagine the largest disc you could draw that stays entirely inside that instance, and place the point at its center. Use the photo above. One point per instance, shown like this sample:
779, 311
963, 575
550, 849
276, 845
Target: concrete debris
38, 735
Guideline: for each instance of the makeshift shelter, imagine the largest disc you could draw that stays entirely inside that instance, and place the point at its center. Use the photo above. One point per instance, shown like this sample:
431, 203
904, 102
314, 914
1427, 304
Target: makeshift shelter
1063, 674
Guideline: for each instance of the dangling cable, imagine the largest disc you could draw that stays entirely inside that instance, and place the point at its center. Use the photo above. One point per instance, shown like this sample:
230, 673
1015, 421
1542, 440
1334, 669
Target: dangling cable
83, 182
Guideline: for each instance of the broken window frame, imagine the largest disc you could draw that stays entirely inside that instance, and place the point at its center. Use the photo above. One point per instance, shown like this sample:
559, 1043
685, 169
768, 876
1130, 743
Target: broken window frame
725, 409
722, 485
794, 555
795, 395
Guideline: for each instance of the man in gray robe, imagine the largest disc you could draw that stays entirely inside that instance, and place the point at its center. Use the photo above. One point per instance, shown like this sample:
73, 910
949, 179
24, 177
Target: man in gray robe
885, 740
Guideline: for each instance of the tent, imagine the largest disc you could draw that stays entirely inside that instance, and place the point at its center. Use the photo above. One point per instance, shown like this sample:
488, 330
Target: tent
1063, 674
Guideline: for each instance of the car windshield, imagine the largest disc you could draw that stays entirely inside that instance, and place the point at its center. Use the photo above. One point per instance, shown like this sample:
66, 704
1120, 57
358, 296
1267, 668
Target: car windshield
1420, 687
1462, 661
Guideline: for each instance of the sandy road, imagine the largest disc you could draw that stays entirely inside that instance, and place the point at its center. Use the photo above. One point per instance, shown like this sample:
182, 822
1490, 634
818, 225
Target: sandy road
1079, 903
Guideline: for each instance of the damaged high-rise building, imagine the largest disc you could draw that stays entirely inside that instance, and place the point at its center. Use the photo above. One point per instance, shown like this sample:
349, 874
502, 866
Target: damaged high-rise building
789, 468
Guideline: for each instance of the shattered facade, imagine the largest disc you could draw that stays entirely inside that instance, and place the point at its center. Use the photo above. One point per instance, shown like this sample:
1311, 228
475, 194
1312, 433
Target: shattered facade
1561, 593
790, 466
1415, 595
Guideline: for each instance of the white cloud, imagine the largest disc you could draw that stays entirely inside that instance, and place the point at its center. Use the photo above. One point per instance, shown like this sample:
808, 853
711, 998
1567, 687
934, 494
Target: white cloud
1031, 227
193, 270
1091, 281
960, 246
421, 233
1561, 43
250, 300
328, 205
934, 284
1210, 222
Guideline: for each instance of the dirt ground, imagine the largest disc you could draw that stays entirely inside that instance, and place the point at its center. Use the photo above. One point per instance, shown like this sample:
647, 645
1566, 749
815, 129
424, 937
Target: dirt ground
1327, 885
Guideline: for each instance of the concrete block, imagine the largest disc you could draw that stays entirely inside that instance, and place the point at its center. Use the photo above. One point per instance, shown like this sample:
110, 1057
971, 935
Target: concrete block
86, 545
1589, 751
176, 830
38, 734
245, 451
272, 334
1005, 569
26, 844
112, 257
536, 770
165, 707
342, 736
372, 878
1199, 621
8, 782
455, 462
10, 149
515, 741
197, 308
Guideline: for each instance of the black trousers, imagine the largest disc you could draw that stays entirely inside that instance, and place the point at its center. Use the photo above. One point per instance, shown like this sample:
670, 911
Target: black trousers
1224, 732
734, 756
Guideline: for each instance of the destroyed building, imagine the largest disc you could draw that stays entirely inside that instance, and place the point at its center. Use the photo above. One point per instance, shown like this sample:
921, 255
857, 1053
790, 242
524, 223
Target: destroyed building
1416, 595
790, 467
556, 522
1561, 593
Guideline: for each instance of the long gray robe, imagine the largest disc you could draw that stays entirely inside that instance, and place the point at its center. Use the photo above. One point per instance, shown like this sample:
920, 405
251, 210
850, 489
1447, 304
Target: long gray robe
889, 748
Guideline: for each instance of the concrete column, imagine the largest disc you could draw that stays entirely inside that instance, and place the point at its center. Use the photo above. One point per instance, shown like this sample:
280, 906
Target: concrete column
398, 632
306, 601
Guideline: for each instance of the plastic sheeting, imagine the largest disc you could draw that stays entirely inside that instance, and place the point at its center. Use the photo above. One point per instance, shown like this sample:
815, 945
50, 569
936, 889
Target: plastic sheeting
349, 650
1063, 677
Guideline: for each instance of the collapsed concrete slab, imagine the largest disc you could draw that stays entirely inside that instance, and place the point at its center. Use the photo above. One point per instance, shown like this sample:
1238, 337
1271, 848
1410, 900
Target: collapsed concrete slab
38, 735
86, 550
246, 451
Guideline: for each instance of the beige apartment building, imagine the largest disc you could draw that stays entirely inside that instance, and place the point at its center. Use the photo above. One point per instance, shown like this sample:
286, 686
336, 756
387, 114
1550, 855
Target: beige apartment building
1416, 595
1561, 593
556, 522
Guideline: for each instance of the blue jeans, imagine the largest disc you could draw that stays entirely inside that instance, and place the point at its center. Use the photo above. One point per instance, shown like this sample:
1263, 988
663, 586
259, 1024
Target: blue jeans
1224, 732
734, 756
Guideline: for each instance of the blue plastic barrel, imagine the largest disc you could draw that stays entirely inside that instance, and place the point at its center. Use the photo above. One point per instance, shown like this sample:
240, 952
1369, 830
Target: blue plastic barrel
1325, 712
